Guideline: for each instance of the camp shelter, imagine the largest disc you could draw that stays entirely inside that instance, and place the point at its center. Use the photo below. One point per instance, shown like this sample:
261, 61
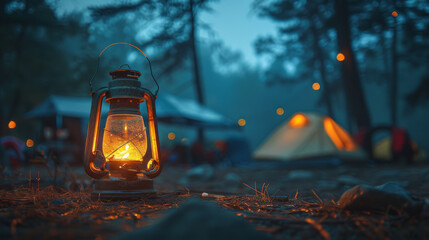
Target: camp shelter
383, 151
309, 135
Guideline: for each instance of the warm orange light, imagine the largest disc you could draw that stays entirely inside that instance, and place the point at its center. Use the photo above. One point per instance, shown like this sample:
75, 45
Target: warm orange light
124, 138
171, 136
280, 111
316, 86
395, 14
12, 124
184, 139
299, 121
340, 57
241, 122
339, 136
29, 143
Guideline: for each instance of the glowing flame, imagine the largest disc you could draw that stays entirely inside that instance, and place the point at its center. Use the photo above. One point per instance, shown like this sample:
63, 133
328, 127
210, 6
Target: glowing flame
124, 154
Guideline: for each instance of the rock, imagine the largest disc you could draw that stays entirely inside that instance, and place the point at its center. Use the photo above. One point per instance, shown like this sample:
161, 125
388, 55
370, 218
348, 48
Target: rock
383, 197
232, 178
349, 180
327, 184
300, 174
201, 173
198, 219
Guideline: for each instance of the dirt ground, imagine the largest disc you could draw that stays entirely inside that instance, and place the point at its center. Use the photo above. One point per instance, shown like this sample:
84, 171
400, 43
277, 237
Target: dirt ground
285, 202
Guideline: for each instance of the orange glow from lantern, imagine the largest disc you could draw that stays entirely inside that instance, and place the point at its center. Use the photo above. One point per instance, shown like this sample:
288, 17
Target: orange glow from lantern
12, 125
124, 138
184, 139
395, 14
341, 57
241, 122
171, 136
299, 121
316, 86
29, 143
280, 111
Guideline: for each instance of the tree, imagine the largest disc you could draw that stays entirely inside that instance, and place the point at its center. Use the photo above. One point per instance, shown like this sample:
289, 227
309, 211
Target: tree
350, 73
399, 30
303, 35
175, 36
307, 33
34, 62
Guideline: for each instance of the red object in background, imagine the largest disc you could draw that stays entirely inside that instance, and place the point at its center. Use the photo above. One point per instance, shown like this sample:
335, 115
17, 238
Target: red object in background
14, 150
359, 137
399, 139
401, 146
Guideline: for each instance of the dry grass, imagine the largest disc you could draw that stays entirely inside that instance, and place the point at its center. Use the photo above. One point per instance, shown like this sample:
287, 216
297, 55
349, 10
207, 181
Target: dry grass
36, 211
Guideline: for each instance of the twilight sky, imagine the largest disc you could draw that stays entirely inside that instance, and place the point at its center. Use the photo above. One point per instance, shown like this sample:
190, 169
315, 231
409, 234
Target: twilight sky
232, 21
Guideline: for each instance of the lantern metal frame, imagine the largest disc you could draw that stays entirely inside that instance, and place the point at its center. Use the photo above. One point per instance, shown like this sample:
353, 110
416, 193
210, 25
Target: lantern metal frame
128, 182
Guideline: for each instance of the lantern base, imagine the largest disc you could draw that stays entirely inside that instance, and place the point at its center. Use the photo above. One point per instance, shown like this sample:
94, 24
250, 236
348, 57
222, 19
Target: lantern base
109, 189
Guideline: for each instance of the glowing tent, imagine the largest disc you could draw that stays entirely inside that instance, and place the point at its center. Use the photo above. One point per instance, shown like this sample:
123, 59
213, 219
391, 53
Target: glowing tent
308, 135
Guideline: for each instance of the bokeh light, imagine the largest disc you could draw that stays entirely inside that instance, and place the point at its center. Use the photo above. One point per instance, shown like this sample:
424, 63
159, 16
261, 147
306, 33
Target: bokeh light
395, 14
340, 57
280, 111
316, 86
171, 136
29, 143
241, 122
12, 124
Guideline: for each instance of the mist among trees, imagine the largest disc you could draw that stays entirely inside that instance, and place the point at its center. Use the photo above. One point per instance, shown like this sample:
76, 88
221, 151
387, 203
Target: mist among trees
382, 80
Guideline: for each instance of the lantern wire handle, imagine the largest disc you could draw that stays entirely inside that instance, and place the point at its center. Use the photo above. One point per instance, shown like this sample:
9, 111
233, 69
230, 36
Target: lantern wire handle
124, 43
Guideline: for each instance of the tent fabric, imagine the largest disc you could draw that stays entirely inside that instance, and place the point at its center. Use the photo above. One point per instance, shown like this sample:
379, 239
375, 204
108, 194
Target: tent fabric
319, 137
175, 110
169, 109
63, 106
383, 150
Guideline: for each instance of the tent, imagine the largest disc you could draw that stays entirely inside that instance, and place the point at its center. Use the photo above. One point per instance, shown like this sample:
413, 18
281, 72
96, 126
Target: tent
181, 111
309, 135
383, 151
170, 109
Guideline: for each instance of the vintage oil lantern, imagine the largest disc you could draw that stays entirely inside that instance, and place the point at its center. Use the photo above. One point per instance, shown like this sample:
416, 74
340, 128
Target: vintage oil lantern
125, 161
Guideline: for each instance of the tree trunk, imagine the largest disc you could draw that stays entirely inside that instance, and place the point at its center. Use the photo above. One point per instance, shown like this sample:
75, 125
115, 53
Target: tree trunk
326, 94
394, 83
197, 77
350, 75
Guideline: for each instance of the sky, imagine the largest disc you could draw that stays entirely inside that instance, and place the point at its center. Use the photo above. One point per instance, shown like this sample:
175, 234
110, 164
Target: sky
232, 21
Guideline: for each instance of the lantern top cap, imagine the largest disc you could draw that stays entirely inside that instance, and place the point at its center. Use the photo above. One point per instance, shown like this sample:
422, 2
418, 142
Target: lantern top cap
125, 73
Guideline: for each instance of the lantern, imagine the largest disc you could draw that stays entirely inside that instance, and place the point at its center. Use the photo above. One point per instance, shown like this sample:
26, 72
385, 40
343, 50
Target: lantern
126, 159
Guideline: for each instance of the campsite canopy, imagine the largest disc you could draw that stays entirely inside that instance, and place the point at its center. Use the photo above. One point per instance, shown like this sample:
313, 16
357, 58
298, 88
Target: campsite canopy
309, 135
170, 109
